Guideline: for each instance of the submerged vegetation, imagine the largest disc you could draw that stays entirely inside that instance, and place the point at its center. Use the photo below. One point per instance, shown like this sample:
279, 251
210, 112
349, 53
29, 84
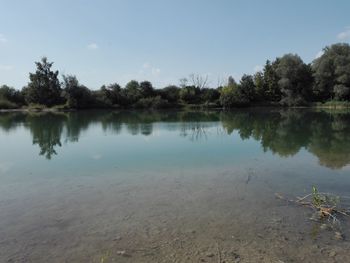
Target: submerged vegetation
327, 207
286, 81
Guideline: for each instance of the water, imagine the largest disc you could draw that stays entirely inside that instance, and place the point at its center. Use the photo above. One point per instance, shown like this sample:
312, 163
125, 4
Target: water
171, 186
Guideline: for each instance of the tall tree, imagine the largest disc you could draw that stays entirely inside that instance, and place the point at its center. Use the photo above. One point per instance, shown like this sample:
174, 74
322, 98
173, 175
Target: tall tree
44, 86
294, 80
332, 73
147, 89
248, 87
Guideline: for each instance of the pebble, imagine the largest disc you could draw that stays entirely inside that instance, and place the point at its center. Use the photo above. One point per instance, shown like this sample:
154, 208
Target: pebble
122, 253
332, 253
338, 236
210, 255
323, 226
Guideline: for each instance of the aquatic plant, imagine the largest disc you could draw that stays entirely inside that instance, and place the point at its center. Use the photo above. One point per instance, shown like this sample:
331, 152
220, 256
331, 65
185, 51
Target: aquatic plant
328, 206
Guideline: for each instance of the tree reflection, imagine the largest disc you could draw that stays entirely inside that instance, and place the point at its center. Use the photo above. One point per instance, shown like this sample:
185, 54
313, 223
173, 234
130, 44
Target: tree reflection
46, 130
325, 134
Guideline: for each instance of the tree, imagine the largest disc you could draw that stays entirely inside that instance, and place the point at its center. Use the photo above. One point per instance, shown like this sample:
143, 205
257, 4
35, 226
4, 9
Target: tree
341, 92
11, 95
199, 81
115, 93
189, 94
231, 81
77, 96
170, 93
247, 87
132, 92
272, 90
233, 96
44, 86
294, 80
209, 95
259, 84
331, 70
147, 89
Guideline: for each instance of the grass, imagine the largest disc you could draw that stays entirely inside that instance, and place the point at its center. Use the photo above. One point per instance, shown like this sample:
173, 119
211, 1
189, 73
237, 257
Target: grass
332, 104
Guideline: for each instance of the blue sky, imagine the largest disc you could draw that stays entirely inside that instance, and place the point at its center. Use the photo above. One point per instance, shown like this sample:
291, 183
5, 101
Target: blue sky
108, 41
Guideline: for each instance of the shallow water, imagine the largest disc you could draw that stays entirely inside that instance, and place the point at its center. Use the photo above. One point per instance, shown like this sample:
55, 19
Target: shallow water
101, 186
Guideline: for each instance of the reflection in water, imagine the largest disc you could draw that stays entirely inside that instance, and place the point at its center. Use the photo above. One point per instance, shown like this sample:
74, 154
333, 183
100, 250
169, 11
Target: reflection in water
283, 132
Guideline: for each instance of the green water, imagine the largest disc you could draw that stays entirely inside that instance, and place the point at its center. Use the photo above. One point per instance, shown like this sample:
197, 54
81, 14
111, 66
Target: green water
170, 186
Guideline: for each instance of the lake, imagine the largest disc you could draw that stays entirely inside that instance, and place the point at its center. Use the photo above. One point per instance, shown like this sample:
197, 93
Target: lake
172, 186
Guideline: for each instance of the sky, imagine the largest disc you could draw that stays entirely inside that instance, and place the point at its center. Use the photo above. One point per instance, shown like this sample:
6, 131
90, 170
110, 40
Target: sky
114, 41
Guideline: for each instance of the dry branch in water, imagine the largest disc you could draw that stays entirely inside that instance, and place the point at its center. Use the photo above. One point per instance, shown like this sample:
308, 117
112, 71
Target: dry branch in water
326, 205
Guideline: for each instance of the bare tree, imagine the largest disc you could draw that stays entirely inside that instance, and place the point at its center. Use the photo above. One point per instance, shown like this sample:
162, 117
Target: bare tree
199, 81
221, 82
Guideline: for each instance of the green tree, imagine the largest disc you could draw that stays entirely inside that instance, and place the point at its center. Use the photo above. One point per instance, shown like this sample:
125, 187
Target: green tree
147, 89
295, 79
272, 91
10, 94
44, 86
232, 95
247, 87
331, 72
259, 83
170, 93
189, 94
132, 92
77, 96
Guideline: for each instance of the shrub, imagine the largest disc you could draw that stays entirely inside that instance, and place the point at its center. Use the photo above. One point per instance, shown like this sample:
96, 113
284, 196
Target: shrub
5, 104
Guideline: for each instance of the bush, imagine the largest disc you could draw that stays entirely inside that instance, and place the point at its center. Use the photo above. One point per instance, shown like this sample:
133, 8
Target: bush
36, 107
232, 96
5, 104
341, 92
152, 103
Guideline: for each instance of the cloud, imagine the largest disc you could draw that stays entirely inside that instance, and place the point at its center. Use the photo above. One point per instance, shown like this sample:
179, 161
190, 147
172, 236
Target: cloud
258, 68
3, 39
6, 67
344, 35
155, 71
149, 69
319, 54
92, 46
146, 65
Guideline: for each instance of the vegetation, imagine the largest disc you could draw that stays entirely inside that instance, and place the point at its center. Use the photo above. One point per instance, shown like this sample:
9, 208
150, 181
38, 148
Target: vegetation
286, 81
327, 207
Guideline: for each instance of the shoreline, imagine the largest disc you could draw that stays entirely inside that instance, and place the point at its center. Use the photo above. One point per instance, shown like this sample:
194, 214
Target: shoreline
191, 107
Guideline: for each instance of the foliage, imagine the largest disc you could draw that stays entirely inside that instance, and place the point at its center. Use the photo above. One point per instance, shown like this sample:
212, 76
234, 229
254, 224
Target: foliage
331, 72
294, 80
286, 81
170, 93
189, 94
152, 103
77, 96
233, 95
44, 86
6, 104
11, 95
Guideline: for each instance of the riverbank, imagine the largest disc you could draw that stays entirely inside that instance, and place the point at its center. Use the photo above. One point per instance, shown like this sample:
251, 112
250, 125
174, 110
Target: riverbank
209, 106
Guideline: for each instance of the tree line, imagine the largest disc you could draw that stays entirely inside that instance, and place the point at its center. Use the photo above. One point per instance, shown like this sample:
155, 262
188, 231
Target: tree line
286, 81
